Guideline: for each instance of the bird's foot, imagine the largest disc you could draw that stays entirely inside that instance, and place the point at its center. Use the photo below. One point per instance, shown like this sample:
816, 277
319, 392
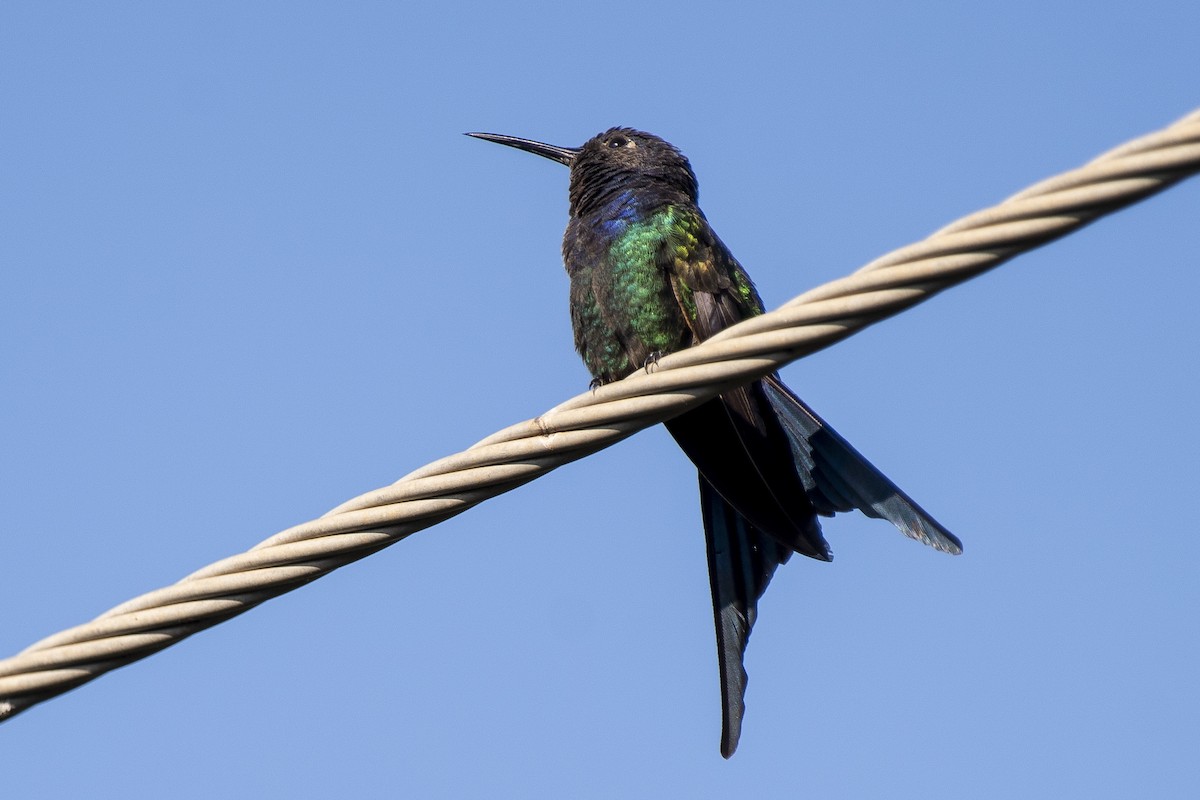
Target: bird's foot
652, 360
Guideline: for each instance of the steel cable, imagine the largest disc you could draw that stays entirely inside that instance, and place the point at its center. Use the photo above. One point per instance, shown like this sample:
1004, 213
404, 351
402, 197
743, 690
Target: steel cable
597, 419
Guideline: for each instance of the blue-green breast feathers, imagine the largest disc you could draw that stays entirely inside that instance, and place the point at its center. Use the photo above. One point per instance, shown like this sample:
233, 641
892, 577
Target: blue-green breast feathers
647, 285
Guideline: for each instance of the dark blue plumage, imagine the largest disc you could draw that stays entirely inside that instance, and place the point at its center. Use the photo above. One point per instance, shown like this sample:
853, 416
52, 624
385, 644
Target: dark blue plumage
648, 277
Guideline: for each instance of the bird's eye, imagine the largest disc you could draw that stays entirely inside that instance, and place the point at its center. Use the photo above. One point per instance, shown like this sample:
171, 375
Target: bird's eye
619, 141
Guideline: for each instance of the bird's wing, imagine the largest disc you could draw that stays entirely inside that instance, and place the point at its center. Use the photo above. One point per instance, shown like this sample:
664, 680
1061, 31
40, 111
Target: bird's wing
838, 478
741, 561
735, 440
711, 288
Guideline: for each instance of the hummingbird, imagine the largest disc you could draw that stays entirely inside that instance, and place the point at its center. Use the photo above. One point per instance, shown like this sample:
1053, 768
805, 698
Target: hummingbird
648, 277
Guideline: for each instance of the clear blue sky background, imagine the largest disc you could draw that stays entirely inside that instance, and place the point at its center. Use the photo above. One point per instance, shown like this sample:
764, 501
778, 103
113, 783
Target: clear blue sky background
250, 268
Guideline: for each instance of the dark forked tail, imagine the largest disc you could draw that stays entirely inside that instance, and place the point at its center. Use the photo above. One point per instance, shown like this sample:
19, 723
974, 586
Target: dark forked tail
768, 466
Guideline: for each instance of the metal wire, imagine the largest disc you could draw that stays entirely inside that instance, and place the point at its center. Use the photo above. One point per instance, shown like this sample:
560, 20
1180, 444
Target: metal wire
594, 420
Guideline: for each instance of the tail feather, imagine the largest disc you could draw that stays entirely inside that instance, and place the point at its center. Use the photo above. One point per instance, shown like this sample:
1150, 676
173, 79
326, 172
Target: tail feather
841, 478
741, 561
768, 466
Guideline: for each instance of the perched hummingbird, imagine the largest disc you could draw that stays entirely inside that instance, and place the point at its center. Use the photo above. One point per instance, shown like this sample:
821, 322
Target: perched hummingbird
649, 277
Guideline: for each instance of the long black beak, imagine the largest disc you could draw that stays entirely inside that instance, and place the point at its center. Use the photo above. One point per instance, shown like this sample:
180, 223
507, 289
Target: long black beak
563, 155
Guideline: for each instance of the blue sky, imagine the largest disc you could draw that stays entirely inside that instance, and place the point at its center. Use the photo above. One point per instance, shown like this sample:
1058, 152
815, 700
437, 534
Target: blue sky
250, 268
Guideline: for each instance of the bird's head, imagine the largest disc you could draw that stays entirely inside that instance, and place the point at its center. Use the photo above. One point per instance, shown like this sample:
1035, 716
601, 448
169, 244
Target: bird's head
617, 161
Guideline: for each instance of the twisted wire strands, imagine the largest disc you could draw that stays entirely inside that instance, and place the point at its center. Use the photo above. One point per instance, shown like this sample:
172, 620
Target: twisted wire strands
597, 419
